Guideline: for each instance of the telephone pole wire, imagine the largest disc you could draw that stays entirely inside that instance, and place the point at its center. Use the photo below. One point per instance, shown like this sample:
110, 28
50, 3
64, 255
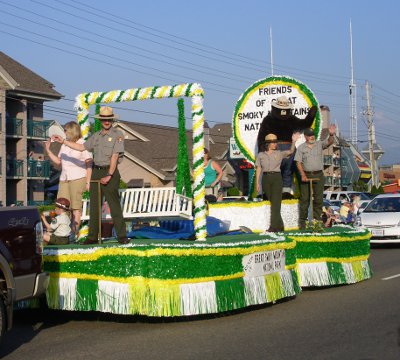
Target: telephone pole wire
369, 114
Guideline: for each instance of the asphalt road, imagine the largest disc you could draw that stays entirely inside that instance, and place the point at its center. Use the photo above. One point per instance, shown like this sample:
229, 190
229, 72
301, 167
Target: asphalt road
360, 321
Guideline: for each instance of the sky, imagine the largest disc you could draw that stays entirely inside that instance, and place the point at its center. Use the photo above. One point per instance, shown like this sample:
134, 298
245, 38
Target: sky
224, 45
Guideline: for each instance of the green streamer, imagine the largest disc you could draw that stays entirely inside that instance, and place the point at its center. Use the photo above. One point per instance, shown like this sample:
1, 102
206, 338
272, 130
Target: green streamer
86, 295
230, 294
336, 273
52, 294
183, 177
97, 123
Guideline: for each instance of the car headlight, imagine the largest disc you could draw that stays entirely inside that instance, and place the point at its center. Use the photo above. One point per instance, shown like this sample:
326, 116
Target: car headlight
357, 221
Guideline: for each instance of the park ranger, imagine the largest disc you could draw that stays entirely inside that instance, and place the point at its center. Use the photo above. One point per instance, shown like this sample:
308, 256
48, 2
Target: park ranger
107, 146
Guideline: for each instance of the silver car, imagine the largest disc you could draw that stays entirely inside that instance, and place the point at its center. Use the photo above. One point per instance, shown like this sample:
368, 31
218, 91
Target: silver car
382, 218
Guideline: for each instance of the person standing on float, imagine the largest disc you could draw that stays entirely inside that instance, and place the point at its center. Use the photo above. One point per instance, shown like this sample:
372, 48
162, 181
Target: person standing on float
76, 172
107, 146
310, 163
268, 163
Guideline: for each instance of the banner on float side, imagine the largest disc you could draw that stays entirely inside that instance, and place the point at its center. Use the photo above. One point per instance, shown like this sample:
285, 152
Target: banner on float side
255, 104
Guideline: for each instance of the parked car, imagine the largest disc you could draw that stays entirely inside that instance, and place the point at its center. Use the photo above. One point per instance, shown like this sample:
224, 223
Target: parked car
382, 218
21, 275
346, 196
362, 207
371, 196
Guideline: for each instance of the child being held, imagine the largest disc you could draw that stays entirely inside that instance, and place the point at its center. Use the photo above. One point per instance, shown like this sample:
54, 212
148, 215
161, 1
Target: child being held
59, 230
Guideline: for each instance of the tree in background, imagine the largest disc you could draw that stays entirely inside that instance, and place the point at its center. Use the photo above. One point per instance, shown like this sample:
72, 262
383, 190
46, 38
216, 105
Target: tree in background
233, 191
377, 190
360, 186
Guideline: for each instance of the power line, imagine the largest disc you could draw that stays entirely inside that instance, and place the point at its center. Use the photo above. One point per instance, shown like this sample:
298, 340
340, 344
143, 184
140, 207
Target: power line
105, 62
190, 41
159, 59
135, 35
179, 49
107, 56
116, 107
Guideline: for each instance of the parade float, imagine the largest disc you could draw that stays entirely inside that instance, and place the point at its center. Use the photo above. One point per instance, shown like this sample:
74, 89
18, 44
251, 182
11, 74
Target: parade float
207, 274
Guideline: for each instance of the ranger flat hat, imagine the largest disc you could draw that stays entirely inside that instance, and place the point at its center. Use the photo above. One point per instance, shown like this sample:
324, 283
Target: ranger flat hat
309, 132
282, 102
271, 138
106, 113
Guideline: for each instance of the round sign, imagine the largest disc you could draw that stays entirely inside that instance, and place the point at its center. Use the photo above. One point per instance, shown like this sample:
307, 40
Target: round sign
255, 103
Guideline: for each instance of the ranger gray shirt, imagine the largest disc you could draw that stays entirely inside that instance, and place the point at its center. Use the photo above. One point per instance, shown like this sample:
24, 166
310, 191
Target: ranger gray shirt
271, 162
311, 158
103, 145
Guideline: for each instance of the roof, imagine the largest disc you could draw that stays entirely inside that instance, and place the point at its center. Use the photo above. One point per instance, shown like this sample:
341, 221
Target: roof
20, 78
220, 135
161, 151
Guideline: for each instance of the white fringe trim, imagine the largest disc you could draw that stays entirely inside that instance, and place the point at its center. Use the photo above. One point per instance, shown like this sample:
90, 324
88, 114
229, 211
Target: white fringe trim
113, 297
349, 273
200, 298
254, 290
67, 293
287, 283
314, 274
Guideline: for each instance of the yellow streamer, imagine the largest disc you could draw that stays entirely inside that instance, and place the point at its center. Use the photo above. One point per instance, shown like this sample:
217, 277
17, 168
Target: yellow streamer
329, 238
162, 91
331, 259
109, 96
148, 281
146, 93
169, 252
179, 90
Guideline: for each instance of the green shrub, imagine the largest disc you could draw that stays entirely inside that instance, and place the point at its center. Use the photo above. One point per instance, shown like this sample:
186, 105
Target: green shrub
233, 191
42, 208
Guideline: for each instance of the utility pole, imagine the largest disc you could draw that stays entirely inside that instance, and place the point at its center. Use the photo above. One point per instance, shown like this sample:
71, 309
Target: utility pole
369, 114
353, 97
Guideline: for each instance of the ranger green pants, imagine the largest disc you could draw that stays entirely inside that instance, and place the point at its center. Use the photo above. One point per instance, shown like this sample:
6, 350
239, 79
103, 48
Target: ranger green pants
110, 191
318, 197
272, 187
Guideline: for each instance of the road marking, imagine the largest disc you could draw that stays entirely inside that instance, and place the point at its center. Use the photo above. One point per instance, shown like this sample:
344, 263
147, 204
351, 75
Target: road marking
391, 277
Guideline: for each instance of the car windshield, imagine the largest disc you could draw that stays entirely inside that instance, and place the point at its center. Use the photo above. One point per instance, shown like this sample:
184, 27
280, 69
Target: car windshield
361, 195
391, 204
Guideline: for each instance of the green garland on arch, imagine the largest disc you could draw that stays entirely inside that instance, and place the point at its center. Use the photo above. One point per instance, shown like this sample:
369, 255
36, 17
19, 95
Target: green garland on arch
97, 123
183, 170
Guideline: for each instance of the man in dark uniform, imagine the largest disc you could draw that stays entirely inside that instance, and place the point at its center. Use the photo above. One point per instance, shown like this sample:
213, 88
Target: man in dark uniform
107, 146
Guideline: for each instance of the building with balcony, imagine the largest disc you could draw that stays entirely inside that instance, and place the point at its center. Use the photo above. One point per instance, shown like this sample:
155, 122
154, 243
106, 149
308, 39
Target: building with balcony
23, 167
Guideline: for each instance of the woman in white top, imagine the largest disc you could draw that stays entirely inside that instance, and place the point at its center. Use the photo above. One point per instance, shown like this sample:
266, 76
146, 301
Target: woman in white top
76, 171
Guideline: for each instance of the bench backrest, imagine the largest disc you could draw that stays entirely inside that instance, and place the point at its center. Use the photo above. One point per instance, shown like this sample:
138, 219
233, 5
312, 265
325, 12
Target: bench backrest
148, 203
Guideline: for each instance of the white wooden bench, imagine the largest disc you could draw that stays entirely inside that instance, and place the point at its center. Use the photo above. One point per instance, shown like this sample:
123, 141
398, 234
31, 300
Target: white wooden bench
148, 203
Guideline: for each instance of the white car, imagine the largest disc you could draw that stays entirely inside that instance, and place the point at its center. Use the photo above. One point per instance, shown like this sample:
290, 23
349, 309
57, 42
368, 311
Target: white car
346, 196
382, 218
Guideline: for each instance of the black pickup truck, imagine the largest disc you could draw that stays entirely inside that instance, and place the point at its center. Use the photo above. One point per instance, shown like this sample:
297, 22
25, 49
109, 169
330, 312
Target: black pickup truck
21, 245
